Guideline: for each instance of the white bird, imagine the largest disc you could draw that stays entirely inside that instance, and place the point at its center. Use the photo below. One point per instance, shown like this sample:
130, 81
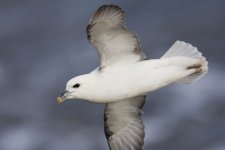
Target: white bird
125, 76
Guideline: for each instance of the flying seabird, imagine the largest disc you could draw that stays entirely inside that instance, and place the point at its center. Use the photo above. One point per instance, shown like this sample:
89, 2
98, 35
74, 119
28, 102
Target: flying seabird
125, 76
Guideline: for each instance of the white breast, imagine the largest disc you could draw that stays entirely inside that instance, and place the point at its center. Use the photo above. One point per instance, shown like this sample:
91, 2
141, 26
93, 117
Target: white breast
120, 82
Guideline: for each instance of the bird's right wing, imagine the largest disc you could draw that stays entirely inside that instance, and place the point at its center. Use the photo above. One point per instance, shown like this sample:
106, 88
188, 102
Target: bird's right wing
124, 128
107, 33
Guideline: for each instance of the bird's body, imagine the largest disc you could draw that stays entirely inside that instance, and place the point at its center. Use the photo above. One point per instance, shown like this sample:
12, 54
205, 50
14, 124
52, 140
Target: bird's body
125, 76
123, 81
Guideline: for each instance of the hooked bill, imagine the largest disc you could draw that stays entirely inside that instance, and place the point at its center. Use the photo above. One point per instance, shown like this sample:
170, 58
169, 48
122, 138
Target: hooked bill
59, 100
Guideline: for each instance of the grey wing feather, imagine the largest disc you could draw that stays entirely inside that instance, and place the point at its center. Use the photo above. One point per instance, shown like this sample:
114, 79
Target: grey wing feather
124, 128
107, 32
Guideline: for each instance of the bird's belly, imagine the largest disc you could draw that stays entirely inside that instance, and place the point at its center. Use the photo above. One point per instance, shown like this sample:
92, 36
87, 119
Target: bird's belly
136, 80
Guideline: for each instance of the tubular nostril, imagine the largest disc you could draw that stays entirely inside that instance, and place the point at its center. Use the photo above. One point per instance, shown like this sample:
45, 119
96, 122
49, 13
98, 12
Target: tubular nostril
64, 93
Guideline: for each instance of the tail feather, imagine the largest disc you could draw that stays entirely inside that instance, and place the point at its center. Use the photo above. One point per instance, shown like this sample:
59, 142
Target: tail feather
180, 48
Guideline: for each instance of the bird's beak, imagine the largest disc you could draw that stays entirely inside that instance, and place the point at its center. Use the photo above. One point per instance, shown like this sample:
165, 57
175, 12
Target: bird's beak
63, 97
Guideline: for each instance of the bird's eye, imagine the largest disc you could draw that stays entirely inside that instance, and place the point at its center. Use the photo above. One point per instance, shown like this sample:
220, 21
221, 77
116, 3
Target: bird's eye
76, 85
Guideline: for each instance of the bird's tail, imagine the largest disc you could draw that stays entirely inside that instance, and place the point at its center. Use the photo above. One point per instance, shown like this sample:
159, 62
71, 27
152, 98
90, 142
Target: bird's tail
180, 48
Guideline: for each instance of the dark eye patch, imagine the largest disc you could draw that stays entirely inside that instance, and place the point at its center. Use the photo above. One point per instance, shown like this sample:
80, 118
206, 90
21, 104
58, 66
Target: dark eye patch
76, 85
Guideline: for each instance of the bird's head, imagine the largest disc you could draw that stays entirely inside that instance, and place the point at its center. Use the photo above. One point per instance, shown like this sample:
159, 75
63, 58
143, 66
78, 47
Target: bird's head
79, 87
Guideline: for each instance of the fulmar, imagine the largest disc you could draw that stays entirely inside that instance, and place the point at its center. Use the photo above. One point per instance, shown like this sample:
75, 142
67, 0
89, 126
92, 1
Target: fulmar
125, 76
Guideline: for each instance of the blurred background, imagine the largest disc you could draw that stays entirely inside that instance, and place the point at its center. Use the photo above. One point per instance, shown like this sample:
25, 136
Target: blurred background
43, 44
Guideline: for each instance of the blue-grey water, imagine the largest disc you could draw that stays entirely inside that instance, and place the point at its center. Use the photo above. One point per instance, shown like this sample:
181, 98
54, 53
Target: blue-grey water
43, 44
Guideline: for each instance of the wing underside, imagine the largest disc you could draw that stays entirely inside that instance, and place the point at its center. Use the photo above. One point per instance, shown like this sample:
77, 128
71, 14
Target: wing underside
106, 31
124, 128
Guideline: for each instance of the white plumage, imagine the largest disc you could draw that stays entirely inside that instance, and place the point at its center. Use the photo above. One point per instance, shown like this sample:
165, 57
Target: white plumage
125, 76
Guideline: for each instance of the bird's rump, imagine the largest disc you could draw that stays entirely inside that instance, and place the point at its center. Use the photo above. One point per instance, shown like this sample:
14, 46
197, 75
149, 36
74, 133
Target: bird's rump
180, 48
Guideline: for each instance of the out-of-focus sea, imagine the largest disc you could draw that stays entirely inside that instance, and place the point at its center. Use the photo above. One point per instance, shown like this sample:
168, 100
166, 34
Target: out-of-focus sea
43, 44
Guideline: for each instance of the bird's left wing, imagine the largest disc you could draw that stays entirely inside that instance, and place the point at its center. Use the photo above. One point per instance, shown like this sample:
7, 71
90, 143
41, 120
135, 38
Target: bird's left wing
107, 32
124, 128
